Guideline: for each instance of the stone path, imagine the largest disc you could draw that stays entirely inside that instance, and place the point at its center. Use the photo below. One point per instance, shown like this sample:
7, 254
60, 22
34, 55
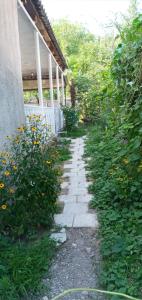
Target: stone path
77, 262
75, 194
77, 265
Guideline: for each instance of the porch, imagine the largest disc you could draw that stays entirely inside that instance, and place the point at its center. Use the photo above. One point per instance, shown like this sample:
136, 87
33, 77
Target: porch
43, 77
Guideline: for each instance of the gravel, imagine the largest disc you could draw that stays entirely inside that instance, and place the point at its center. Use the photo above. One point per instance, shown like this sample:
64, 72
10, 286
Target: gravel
76, 265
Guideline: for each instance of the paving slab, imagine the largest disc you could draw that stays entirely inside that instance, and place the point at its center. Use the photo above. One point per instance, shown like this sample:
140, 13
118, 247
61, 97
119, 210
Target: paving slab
78, 192
75, 208
64, 185
67, 198
66, 175
76, 198
84, 198
64, 220
85, 220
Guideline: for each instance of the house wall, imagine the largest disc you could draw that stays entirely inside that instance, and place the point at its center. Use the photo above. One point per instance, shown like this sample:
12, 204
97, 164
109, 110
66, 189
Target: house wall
11, 90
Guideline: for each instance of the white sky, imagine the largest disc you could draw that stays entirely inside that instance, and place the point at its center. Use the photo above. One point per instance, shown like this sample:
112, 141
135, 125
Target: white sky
95, 14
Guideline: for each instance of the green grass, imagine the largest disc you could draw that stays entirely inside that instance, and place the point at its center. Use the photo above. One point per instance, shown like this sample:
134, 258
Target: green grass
22, 266
63, 150
76, 133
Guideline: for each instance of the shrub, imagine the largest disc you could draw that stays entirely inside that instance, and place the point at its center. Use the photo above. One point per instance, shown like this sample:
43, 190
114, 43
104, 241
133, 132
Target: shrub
71, 115
29, 180
118, 199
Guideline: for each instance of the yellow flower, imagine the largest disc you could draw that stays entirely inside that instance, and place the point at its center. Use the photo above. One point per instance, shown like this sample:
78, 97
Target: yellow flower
33, 129
14, 168
17, 140
11, 191
4, 206
4, 161
125, 161
48, 162
20, 129
7, 173
36, 142
4, 154
1, 185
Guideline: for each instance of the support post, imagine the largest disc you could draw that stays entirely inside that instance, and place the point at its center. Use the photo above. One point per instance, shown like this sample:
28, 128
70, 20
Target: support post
38, 68
63, 89
51, 91
51, 80
58, 85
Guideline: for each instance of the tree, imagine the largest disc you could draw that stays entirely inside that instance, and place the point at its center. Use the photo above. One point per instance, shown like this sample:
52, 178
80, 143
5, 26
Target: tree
133, 9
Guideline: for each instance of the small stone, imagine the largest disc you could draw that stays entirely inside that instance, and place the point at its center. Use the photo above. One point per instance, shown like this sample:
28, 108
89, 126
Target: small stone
85, 293
45, 298
63, 230
74, 245
59, 237
88, 250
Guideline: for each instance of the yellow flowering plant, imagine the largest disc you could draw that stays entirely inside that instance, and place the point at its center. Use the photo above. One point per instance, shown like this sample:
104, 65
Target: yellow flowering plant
29, 184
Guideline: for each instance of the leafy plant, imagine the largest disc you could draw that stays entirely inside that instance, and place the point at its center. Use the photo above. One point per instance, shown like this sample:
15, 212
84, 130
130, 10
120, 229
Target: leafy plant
22, 266
29, 184
71, 115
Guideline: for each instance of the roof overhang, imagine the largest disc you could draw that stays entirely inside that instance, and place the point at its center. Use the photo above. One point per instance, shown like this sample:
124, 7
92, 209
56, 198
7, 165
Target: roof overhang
38, 15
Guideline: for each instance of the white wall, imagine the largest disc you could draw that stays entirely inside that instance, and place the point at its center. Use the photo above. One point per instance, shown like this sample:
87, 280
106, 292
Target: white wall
11, 90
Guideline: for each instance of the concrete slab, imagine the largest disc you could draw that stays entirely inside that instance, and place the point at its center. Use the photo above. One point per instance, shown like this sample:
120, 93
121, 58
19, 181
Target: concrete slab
85, 220
66, 175
82, 191
84, 198
76, 211
64, 220
67, 198
75, 208
64, 185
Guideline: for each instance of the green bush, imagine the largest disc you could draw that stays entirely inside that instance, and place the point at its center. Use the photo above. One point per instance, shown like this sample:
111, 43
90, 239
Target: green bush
116, 186
29, 183
71, 115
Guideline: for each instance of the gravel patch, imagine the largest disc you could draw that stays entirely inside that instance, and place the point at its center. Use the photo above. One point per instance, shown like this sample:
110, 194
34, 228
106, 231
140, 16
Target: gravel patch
77, 264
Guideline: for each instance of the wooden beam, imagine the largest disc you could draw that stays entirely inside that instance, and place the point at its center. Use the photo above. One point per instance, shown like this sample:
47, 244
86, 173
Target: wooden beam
29, 85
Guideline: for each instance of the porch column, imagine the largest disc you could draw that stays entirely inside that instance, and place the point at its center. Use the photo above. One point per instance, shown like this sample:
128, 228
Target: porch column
51, 80
63, 89
58, 85
51, 92
38, 68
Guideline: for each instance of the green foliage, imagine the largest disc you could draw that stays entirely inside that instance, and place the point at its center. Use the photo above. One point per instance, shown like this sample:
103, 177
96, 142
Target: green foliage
71, 115
29, 184
88, 58
116, 166
120, 213
22, 266
76, 133
63, 150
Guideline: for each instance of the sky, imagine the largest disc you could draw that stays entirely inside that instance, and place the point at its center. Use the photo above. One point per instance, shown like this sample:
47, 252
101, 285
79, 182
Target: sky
96, 15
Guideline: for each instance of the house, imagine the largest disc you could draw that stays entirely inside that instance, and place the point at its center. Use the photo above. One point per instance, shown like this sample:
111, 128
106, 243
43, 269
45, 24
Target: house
30, 60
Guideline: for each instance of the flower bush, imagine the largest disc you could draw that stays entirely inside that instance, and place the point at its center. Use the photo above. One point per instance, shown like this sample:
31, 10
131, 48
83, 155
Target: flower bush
29, 183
